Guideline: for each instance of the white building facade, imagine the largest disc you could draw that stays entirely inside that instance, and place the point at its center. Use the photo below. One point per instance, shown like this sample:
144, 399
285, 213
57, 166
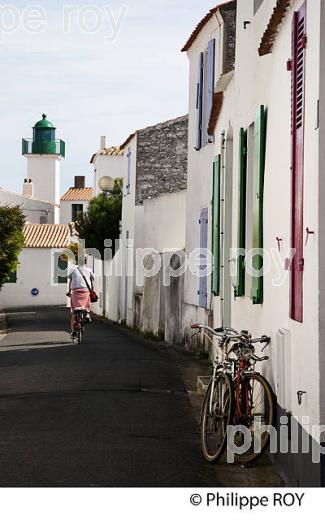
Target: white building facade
262, 172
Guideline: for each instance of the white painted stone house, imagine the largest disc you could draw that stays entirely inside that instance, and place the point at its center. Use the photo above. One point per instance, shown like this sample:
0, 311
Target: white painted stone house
266, 156
155, 163
37, 282
74, 203
35, 211
107, 162
211, 53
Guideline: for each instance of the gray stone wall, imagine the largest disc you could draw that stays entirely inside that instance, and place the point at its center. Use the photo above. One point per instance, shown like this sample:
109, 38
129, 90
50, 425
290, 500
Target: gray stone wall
162, 159
228, 13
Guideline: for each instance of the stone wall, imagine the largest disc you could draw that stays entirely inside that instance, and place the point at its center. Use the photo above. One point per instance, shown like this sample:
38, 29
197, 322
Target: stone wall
228, 13
162, 159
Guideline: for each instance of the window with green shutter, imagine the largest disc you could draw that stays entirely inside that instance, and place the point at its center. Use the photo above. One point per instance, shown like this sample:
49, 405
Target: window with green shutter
12, 277
61, 269
216, 226
77, 212
258, 195
240, 289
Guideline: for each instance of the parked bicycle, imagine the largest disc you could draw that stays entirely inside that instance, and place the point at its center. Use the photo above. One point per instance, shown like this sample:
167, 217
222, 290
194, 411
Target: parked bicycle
237, 395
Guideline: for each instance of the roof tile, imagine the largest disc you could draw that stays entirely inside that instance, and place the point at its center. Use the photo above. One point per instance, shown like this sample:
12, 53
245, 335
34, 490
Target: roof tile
46, 236
78, 194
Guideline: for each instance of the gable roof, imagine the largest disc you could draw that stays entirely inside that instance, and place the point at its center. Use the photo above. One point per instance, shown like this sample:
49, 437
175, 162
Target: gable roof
46, 236
202, 24
78, 194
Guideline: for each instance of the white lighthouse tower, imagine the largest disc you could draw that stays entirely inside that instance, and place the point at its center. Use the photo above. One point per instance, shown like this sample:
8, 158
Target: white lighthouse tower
44, 154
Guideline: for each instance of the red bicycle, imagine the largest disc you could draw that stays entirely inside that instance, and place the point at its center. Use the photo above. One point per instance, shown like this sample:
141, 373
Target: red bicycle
237, 396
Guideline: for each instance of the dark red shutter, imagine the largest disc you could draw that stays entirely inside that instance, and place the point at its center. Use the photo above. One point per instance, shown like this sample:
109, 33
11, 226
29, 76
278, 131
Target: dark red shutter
297, 192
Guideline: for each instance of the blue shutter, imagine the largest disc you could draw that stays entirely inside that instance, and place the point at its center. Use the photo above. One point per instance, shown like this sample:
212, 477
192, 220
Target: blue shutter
216, 215
128, 184
203, 292
209, 87
199, 104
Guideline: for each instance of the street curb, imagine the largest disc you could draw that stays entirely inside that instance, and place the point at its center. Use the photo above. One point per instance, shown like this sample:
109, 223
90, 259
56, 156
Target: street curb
3, 325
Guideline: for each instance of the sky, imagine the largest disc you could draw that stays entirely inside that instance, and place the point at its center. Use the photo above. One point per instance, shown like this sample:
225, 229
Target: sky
95, 68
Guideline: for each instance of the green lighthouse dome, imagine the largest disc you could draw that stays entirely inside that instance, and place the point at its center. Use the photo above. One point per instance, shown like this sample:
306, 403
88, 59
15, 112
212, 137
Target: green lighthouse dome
44, 141
44, 123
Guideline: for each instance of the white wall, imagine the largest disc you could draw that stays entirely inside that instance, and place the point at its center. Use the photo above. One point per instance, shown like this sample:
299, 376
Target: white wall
44, 170
34, 271
165, 221
66, 210
107, 165
265, 80
33, 209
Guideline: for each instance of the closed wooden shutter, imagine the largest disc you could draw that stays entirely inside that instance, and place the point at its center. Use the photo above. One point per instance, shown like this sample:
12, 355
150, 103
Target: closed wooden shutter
297, 187
258, 196
199, 104
203, 292
240, 289
216, 226
128, 181
209, 87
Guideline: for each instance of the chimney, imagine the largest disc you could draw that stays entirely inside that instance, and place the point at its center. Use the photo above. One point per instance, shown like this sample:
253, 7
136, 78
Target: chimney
103, 142
79, 182
28, 188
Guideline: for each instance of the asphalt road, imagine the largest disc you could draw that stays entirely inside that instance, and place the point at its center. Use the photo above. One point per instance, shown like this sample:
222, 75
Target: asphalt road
114, 411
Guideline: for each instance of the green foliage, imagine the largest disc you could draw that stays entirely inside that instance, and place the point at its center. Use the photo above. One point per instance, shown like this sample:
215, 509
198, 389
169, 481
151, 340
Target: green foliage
102, 220
11, 240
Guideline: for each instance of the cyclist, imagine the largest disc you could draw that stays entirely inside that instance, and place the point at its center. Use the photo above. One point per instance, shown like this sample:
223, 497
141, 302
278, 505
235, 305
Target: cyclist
81, 282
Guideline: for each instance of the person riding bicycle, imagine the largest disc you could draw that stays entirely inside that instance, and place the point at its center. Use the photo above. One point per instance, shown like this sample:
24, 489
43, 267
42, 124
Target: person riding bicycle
81, 282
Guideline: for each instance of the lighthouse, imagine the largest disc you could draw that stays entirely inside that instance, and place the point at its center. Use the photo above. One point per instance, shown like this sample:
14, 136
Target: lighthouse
44, 154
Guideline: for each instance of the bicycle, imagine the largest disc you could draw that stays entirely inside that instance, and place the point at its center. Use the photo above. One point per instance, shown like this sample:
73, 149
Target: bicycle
237, 395
79, 325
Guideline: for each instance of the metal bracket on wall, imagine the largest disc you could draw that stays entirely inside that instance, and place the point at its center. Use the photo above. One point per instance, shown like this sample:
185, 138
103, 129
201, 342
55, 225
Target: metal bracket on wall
309, 232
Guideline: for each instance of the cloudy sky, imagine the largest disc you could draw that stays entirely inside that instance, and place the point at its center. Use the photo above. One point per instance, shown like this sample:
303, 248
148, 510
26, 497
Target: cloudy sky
87, 84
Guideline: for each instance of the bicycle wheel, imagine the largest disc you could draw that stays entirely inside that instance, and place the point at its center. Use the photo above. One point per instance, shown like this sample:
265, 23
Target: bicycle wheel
217, 415
254, 410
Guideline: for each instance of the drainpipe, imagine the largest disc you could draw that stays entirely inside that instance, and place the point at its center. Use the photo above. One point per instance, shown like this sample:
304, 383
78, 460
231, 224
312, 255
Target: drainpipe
222, 231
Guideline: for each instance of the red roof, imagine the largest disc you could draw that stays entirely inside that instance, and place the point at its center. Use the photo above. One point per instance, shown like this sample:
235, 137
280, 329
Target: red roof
202, 23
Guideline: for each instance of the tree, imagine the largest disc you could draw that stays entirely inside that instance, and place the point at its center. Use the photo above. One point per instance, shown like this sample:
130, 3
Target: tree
102, 220
12, 222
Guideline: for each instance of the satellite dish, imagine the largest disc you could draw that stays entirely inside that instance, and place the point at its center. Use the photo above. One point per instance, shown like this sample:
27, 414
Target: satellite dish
106, 184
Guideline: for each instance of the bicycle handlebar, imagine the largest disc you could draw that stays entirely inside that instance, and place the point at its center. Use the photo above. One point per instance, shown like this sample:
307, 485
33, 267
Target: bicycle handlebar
222, 332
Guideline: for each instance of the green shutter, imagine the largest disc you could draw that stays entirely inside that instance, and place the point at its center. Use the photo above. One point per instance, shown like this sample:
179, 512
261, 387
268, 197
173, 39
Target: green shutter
216, 226
63, 265
12, 277
240, 289
258, 193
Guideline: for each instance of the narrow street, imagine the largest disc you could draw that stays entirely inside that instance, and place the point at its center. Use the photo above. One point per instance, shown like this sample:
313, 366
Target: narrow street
112, 412
115, 411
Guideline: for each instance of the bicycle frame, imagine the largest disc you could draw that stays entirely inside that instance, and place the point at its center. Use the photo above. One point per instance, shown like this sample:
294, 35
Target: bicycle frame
233, 366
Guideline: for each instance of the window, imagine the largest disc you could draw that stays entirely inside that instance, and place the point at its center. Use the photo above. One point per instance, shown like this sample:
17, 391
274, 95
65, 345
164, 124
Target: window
61, 269
240, 289
249, 202
252, 147
77, 212
12, 277
43, 219
204, 94
257, 5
